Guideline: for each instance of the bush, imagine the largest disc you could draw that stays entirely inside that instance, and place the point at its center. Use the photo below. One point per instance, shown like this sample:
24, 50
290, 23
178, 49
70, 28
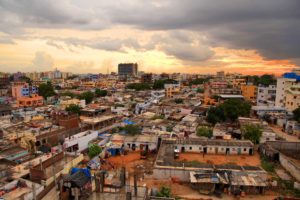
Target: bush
100, 93
73, 108
267, 165
252, 132
94, 150
200, 90
158, 117
87, 96
204, 132
132, 129
138, 86
178, 101
68, 93
164, 191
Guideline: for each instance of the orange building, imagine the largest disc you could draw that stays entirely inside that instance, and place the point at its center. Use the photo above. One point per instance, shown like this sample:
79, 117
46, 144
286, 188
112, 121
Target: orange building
249, 92
34, 100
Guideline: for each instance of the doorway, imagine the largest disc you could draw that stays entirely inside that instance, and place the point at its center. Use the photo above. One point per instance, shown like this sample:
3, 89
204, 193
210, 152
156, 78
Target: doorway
227, 151
250, 151
182, 149
205, 150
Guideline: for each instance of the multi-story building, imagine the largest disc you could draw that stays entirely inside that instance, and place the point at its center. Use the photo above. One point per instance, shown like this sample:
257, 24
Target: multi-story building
146, 78
287, 93
238, 82
172, 89
266, 95
292, 97
22, 89
249, 92
30, 101
27, 96
4, 79
127, 69
35, 76
220, 75
283, 84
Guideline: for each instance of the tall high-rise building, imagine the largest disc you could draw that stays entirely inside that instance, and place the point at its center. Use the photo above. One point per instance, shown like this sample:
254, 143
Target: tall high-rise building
127, 69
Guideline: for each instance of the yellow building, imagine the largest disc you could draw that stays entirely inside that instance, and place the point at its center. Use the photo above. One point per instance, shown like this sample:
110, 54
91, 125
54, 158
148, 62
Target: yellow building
249, 92
172, 89
65, 102
292, 98
238, 82
88, 84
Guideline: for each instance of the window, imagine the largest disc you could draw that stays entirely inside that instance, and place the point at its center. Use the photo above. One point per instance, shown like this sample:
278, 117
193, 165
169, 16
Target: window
245, 149
222, 149
191, 148
200, 148
175, 147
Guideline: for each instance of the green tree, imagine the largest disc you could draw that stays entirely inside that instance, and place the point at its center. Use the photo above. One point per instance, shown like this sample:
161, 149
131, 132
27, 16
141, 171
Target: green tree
200, 90
132, 129
87, 96
178, 101
138, 86
72, 77
46, 90
252, 132
198, 81
25, 79
169, 128
73, 108
267, 79
160, 84
215, 114
296, 114
164, 191
94, 150
233, 108
204, 132
157, 117
68, 93
100, 93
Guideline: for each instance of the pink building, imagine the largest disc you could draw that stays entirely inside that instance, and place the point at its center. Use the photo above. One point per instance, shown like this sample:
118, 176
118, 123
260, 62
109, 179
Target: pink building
22, 89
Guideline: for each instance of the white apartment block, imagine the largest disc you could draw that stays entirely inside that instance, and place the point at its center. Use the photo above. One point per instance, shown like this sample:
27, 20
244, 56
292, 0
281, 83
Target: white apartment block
283, 84
266, 95
292, 97
287, 94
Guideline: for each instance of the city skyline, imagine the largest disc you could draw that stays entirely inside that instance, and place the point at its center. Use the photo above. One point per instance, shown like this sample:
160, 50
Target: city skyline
248, 37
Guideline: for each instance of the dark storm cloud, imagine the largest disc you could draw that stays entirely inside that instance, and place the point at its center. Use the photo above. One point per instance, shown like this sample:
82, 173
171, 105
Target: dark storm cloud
272, 27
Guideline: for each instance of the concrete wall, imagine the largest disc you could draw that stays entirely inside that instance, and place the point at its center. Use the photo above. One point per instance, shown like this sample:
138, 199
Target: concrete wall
290, 166
81, 139
285, 146
160, 173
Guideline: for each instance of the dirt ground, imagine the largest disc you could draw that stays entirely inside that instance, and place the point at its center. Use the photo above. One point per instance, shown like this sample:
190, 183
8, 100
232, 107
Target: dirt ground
132, 161
241, 160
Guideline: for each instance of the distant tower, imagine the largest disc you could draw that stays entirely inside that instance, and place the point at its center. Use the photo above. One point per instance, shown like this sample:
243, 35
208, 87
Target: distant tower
127, 69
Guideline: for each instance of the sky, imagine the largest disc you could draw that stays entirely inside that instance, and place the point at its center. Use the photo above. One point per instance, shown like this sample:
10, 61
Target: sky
190, 36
